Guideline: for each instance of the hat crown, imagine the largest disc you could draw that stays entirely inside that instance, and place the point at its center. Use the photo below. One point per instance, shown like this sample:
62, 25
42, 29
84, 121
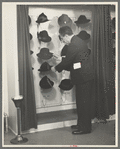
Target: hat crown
42, 18
64, 19
46, 83
45, 54
43, 36
43, 33
82, 19
45, 66
44, 50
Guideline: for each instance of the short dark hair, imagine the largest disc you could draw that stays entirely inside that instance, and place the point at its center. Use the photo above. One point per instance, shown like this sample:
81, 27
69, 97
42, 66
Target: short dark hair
65, 30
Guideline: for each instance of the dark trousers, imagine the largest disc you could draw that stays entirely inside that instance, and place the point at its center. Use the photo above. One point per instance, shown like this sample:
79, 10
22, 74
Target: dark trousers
83, 103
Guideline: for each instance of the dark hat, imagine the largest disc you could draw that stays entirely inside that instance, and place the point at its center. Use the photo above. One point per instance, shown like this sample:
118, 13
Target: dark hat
82, 20
66, 84
64, 20
31, 52
30, 36
43, 36
32, 68
84, 35
46, 83
42, 18
64, 50
29, 19
45, 54
45, 67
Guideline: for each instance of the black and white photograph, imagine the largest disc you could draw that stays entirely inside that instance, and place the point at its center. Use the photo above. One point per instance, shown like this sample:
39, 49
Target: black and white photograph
59, 74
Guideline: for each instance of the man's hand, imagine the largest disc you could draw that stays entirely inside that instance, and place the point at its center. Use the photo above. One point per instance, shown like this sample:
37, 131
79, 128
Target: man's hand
57, 57
53, 69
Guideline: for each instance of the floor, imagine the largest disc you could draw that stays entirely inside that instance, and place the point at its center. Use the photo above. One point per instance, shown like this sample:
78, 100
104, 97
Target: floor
56, 116
102, 134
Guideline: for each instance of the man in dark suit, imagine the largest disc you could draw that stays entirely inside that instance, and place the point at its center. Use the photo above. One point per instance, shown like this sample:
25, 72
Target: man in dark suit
81, 72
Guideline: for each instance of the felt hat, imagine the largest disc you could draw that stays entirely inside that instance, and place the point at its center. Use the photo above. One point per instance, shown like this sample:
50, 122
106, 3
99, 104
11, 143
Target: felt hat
31, 52
82, 20
29, 19
64, 20
43, 36
42, 18
30, 36
84, 35
45, 67
64, 50
46, 83
66, 84
45, 54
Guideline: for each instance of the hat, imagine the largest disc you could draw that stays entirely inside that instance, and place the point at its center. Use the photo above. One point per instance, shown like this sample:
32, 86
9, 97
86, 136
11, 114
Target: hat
46, 83
42, 18
29, 19
31, 52
82, 20
45, 67
32, 68
83, 35
30, 36
64, 50
66, 84
45, 54
64, 20
43, 36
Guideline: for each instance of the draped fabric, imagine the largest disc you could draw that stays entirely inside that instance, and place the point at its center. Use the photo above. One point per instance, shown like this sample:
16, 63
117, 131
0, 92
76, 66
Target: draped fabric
104, 82
26, 83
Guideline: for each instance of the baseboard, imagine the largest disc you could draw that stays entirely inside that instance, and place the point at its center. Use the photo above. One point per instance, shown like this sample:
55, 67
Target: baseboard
57, 125
56, 108
12, 130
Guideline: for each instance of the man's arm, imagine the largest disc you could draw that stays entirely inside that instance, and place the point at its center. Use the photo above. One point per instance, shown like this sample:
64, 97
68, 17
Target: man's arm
68, 60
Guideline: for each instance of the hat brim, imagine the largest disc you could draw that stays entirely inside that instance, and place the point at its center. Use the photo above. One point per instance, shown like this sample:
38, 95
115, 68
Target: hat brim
45, 40
45, 70
65, 88
80, 22
50, 55
38, 21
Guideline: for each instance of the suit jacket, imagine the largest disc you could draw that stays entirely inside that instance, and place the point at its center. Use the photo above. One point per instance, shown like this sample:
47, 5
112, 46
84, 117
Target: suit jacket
77, 53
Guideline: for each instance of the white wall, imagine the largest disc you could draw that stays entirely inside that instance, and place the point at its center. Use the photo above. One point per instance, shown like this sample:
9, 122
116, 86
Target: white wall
10, 61
49, 99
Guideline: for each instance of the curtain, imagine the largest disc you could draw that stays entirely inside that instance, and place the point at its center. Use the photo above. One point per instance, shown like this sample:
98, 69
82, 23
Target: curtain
26, 82
103, 60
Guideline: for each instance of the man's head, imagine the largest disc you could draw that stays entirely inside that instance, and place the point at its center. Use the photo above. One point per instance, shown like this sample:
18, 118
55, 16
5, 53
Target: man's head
65, 34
